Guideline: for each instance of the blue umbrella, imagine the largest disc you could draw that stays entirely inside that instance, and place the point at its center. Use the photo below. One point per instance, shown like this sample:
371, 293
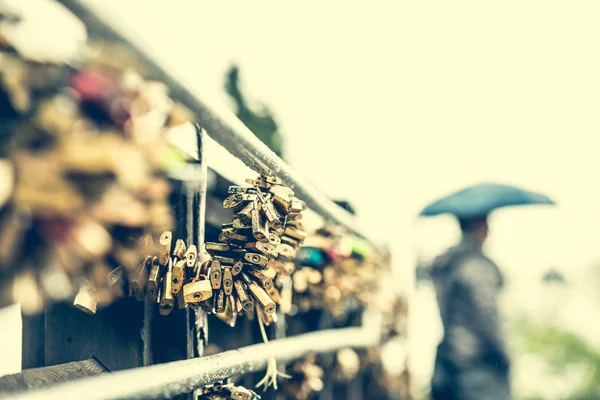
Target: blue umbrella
480, 200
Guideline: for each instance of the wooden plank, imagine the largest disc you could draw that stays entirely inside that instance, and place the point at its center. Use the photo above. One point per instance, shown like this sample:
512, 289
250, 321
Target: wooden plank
112, 335
33, 338
38, 377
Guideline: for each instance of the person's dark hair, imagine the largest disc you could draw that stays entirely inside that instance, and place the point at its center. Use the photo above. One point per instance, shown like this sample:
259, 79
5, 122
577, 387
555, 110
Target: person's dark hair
467, 224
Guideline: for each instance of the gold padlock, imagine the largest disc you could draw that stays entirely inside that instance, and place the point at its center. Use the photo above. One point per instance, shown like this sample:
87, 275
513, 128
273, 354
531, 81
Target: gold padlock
191, 255
243, 295
237, 268
260, 295
197, 291
153, 280
166, 299
178, 276
165, 242
264, 280
215, 274
227, 280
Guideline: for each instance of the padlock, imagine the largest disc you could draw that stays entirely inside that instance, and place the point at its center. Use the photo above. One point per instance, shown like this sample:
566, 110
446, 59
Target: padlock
227, 280
237, 268
179, 251
242, 295
260, 229
165, 242
166, 300
191, 256
178, 276
153, 280
197, 290
216, 274
259, 294
259, 183
256, 259
215, 248
265, 248
273, 180
264, 280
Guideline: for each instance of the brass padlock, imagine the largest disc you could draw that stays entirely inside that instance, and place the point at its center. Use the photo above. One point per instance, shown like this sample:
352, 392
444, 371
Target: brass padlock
264, 248
166, 299
237, 268
227, 280
259, 183
215, 274
224, 260
153, 280
243, 295
259, 294
259, 260
219, 301
274, 240
273, 180
165, 242
191, 255
213, 247
228, 236
179, 250
197, 290
260, 229
264, 280
245, 214
178, 276
245, 224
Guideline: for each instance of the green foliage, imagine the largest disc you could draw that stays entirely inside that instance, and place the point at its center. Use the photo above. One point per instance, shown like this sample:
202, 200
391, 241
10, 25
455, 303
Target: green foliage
563, 349
261, 122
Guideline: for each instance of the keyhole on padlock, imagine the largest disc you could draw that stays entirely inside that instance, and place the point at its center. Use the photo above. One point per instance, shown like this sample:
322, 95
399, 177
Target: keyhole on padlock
175, 280
197, 296
255, 258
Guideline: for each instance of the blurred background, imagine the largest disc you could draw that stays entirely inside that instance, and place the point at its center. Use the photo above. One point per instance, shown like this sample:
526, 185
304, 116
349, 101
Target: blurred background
393, 104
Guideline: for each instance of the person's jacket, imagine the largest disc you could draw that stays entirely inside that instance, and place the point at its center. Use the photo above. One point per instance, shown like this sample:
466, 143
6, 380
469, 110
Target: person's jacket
467, 285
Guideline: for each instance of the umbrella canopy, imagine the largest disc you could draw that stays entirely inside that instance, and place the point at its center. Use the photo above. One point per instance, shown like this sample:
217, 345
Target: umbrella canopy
480, 200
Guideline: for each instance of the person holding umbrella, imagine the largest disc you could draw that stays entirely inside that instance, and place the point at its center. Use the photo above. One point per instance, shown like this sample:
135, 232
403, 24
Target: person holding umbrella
472, 361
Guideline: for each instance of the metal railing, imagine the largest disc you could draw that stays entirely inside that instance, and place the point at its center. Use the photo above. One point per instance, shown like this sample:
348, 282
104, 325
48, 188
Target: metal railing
170, 379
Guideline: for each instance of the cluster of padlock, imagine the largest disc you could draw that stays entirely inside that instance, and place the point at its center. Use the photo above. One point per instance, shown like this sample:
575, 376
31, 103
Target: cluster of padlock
340, 272
83, 162
240, 274
306, 379
225, 390
259, 245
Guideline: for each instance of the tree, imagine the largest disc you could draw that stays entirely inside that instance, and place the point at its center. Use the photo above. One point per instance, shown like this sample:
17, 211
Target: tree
261, 122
